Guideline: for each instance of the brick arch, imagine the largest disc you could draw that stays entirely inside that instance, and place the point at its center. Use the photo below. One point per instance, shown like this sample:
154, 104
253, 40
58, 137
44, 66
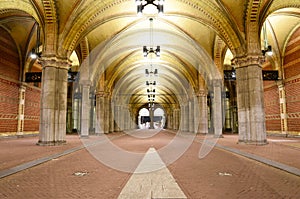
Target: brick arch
50, 27
292, 86
252, 14
219, 48
291, 55
50, 11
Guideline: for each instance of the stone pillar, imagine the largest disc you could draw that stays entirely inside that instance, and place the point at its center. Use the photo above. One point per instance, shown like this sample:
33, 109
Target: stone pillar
122, 118
202, 115
176, 119
217, 108
117, 114
85, 110
106, 113
184, 118
92, 126
228, 113
191, 117
151, 114
102, 111
250, 101
181, 118
134, 119
76, 107
53, 101
170, 120
21, 110
111, 117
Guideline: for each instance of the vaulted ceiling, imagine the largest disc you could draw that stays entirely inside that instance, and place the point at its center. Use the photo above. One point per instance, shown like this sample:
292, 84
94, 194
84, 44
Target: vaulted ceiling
193, 35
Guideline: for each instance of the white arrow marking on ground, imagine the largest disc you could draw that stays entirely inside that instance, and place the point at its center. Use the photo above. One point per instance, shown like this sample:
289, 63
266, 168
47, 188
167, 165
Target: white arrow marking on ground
156, 184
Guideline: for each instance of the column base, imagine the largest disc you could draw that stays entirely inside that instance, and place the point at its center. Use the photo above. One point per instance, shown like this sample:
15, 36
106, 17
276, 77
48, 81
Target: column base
251, 142
84, 136
51, 143
218, 136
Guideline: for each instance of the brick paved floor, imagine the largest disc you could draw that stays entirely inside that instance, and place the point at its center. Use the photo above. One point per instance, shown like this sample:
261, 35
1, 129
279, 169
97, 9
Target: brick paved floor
221, 174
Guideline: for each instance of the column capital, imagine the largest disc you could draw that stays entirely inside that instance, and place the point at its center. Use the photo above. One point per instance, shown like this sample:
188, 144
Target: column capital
55, 62
86, 83
201, 93
245, 61
217, 82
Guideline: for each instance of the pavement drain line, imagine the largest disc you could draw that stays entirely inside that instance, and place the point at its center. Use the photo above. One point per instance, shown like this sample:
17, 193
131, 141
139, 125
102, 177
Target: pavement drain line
275, 164
33, 163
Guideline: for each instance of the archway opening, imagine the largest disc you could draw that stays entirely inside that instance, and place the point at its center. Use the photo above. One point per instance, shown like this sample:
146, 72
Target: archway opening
159, 118
144, 119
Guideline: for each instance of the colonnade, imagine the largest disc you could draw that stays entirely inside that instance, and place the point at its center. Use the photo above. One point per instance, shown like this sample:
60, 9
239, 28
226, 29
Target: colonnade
190, 115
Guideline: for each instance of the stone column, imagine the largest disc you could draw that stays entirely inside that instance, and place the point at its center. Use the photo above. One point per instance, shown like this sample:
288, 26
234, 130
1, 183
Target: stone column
202, 116
217, 108
21, 110
53, 101
170, 120
134, 118
184, 118
181, 118
106, 113
76, 107
102, 111
92, 126
85, 110
176, 119
117, 114
111, 117
151, 114
122, 118
250, 101
191, 117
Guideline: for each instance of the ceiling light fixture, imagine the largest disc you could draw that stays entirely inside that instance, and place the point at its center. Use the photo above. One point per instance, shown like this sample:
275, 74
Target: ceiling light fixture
141, 4
147, 51
267, 48
150, 83
35, 53
151, 73
267, 51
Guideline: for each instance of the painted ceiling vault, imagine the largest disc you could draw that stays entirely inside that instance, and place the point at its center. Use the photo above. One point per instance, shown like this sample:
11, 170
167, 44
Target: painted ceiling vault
193, 35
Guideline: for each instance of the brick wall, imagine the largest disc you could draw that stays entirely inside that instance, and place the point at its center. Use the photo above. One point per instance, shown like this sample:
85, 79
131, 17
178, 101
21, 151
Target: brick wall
271, 102
8, 105
272, 107
9, 87
9, 91
292, 83
32, 109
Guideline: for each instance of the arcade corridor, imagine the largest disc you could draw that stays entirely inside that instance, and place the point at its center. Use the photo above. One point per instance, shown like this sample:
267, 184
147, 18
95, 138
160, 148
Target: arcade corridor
96, 95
